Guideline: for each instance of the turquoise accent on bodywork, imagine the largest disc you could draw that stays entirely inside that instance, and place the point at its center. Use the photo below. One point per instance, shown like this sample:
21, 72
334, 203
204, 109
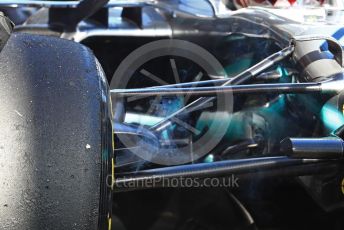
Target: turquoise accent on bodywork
332, 117
209, 159
282, 71
239, 66
240, 122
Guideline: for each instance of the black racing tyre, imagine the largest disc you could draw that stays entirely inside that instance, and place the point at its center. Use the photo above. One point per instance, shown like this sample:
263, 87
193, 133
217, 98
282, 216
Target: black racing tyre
55, 136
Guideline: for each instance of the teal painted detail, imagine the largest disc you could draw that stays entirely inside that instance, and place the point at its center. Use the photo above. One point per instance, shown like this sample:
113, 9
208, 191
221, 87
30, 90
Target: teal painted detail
209, 158
239, 66
281, 71
331, 117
